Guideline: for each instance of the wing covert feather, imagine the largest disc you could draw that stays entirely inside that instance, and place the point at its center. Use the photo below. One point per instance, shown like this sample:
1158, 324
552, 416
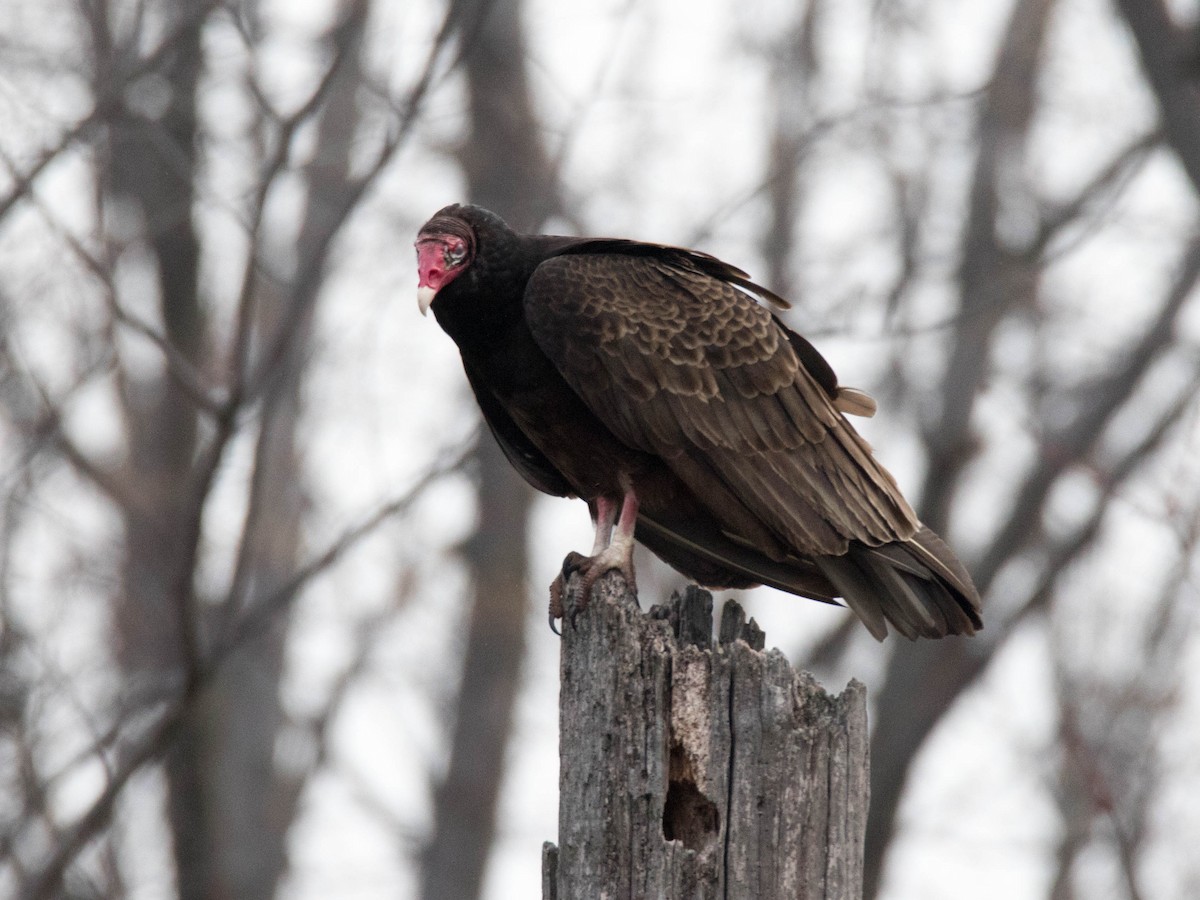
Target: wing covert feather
682, 364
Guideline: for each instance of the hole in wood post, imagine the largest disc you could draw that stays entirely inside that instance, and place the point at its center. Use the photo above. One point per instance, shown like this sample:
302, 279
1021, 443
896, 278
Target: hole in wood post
688, 816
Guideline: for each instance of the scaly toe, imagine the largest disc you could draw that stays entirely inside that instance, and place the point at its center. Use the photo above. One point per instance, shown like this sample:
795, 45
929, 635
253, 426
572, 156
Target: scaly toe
571, 591
557, 589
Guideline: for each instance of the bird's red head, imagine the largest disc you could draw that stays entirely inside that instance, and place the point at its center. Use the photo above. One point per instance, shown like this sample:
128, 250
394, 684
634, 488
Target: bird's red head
441, 257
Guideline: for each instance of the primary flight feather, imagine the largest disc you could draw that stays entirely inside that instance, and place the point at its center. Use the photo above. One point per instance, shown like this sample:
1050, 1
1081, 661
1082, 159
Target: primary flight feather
648, 381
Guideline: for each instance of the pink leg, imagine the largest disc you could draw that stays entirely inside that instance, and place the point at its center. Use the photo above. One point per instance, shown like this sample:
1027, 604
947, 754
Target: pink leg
623, 540
606, 514
613, 549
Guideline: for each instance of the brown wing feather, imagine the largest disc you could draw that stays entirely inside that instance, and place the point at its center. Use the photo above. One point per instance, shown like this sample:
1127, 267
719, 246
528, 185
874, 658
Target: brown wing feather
692, 259
677, 362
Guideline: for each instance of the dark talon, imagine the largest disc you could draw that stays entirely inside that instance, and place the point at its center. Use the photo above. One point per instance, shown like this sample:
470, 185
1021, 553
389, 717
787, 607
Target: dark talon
570, 599
571, 592
557, 588
573, 562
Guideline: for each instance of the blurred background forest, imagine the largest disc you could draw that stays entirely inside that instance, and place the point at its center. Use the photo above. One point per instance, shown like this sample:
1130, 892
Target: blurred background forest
272, 612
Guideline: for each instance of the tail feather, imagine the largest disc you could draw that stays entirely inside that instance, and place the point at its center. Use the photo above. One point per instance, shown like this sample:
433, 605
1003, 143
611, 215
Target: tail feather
906, 600
854, 585
916, 586
715, 560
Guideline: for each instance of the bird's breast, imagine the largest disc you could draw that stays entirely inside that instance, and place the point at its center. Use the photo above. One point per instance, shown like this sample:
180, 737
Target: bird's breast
557, 421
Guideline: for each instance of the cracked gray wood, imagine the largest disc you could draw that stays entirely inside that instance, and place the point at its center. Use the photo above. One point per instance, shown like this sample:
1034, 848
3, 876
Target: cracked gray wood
698, 770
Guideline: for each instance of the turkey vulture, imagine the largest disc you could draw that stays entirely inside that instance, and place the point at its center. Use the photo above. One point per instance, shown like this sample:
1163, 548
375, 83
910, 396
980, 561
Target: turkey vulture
647, 380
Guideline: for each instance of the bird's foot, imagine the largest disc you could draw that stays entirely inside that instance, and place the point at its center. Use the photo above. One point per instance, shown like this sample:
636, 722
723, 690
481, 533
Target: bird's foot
558, 589
571, 591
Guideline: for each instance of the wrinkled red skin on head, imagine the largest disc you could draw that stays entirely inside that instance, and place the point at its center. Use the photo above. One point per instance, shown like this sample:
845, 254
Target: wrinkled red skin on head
440, 257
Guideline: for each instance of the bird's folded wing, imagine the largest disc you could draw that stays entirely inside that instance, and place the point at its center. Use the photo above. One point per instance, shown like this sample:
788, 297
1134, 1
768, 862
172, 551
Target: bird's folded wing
680, 363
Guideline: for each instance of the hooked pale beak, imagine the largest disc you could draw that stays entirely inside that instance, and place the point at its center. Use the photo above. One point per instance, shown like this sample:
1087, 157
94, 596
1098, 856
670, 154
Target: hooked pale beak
425, 295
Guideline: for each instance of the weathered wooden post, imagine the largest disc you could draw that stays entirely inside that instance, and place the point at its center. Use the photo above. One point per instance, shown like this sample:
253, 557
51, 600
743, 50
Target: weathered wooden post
690, 770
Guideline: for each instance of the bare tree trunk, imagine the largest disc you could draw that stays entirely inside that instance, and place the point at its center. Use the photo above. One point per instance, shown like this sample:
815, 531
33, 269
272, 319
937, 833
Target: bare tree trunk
252, 803
1168, 56
507, 171
925, 678
228, 810
794, 72
692, 771
993, 279
152, 166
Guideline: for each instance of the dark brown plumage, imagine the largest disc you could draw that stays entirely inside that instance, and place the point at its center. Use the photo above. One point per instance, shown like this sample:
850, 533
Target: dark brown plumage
646, 380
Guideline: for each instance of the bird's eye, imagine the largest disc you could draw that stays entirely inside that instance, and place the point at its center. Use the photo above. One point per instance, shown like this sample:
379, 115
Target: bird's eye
455, 254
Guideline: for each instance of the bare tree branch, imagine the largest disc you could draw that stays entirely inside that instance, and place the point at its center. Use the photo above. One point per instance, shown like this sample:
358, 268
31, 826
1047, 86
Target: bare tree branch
46, 426
336, 126
992, 281
168, 719
274, 168
253, 621
179, 366
1065, 551
250, 381
44, 884
1064, 448
1100, 190
1161, 46
102, 107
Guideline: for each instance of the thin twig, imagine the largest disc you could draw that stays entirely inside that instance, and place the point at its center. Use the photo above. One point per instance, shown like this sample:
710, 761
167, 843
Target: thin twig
179, 367
45, 882
314, 259
255, 621
102, 108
